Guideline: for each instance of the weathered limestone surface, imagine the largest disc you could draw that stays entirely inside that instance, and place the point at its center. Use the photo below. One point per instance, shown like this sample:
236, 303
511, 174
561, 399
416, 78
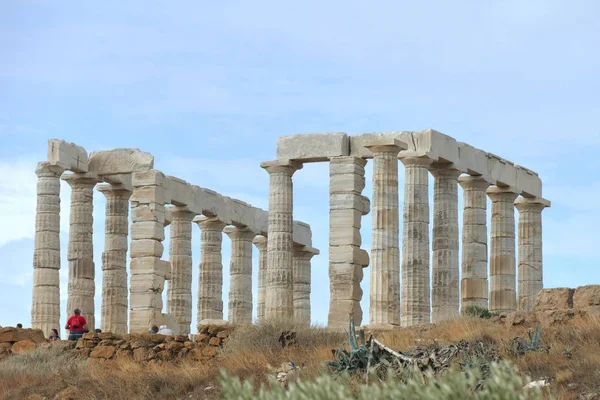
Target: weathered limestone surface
67, 156
148, 271
279, 304
210, 281
474, 285
114, 259
301, 273
503, 297
179, 289
80, 252
240, 280
120, 161
261, 244
346, 259
530, 275
385, 252
45, 305
444, 290
415, 241
313, 147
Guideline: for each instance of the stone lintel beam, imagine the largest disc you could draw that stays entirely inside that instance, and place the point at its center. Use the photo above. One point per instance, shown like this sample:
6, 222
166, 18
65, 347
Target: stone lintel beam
120, 161
313, 147
67, 156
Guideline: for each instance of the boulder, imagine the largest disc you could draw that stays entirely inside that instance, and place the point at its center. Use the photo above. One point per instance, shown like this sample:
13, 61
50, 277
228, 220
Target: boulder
223, 335
105, 352
165, 355
202, 338
181, 338
124, 354
24, 346
586, 296
554, 317
210, 351
175, 346
516, 318
215, 341
12, 335
554, 299
143, 354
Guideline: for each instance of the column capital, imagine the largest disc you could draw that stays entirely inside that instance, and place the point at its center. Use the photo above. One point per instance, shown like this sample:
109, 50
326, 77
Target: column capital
385, 145
284, 166
414, 160
81, 179
260, 242
239, 233
110, 190
444, 170
473, 182
178, 213
46, 169
305, 252
498, 193
211, 223
531, 204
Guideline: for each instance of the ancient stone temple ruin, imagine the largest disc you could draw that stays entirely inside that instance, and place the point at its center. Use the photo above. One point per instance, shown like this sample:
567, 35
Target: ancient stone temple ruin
411, 282
400, 292
129, 181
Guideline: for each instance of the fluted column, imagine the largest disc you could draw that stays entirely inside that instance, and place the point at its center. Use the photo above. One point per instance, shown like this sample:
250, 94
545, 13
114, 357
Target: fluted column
444, 275
82, 286
530, 277
385, 252
114, 259
261, 244
474, 284
210, 281
45, 305
279, 302
415, 242
240, 278
302, 267
503, 297
179, 290
347, 206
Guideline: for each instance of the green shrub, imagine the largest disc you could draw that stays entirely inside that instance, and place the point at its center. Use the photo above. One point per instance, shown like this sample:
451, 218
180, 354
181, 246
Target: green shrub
479, 312
503, 382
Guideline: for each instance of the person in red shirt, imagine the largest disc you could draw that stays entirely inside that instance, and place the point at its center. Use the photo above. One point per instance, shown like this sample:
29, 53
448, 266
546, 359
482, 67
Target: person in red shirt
77, 325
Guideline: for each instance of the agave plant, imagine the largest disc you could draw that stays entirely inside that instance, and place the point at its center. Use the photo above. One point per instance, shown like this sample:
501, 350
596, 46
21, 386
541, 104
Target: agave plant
357, 358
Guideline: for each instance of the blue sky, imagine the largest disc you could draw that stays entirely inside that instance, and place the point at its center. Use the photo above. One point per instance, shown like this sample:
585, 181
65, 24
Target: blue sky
207, 87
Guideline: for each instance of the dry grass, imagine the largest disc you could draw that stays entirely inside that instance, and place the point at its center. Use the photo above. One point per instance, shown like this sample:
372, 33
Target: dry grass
572, 364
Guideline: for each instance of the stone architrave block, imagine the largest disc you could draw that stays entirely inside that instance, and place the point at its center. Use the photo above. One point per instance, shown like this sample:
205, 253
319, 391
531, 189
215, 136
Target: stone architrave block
179, 192
313, 147
357, 142
149, 194
261, 218
148, 212
441, 147
148, 230
302, 234
473, 161
211, 204
344, 201
502, 171
238, 211
120, 161
528, 181
348, 254
121, 181
67, 155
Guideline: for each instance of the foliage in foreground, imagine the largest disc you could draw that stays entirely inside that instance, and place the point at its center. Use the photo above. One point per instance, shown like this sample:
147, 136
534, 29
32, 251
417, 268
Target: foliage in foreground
479, 312
504, 382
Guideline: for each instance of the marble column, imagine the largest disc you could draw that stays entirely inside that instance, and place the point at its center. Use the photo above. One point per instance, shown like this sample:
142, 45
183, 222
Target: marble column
415, 242
240, 275
210, 281
530, 272
45, 305
82, 286
302, 270
444, 269
279, 302
474, 284
261, 244
385, 252
503, 297
148, 271
347, 206
114, 259
179, 289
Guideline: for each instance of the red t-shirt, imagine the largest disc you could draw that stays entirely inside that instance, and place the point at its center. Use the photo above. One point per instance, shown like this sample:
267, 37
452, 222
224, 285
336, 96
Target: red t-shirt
75, 323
